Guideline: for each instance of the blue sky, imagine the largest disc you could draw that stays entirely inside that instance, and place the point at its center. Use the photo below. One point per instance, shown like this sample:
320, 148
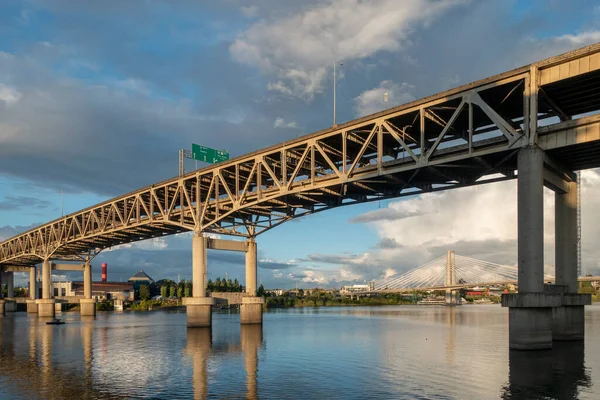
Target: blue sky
96, 99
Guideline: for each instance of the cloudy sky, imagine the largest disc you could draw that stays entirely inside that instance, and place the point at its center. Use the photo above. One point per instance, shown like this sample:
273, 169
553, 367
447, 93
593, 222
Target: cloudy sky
96, 99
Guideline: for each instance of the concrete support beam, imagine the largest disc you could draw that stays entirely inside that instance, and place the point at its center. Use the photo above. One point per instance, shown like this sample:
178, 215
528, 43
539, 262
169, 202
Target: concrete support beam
198, 265
46, 307
46, 280
87, 307
199, 307
87, 283
251, 264
2, 312
531, 220
251, 310
229, 245
530, 311
565, 254
32, 284
68, 267
16, 268
32, 307
10, 284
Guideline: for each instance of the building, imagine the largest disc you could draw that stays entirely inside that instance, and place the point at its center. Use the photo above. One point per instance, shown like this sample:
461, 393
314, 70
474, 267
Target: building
100, 290
354, 289
140, 278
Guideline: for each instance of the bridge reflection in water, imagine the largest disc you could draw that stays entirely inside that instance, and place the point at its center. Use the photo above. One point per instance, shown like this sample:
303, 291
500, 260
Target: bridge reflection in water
67, 362
36, 372
200, 348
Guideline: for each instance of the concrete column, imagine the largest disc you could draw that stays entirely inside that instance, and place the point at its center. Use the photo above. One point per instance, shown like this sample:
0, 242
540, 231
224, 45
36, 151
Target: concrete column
31, 304
199, 265
531, 220
47, 280
530, 311
10, 284
199, 307
251, 307
568, 321
565, 221
32, 283
87, 281
1, 296
46, 303
251, 261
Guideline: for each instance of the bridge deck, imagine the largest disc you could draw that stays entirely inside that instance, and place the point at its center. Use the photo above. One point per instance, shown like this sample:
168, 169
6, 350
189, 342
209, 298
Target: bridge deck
464, 136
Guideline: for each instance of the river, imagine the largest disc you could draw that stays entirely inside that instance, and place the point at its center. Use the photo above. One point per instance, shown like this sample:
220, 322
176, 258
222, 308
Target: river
388, 352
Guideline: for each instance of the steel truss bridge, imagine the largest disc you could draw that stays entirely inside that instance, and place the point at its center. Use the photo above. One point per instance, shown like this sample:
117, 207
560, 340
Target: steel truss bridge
466, 272
465, 136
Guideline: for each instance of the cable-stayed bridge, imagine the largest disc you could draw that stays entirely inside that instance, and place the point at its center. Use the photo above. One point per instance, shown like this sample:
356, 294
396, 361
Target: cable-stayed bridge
455, 272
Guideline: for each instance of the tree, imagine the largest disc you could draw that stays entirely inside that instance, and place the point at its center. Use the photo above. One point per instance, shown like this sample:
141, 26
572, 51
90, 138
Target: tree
210, 286
164, 291
261, 291
188, 289
172, 290
225, 285
236, 285
144, 292
218, 284
180, 288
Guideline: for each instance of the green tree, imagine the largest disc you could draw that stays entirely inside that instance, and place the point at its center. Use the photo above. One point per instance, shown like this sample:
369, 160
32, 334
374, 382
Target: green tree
236, 285
210, 286
218, 286
224, 285
173, 290
164, 291
180, 289
188, 289
261, 291
144, 292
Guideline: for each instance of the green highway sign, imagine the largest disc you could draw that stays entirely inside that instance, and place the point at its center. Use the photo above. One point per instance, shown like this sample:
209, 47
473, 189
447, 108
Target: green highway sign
206, 154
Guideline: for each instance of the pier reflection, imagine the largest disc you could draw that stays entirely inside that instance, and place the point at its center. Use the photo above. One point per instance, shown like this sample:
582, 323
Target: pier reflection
559, 373
200, 347
251, 338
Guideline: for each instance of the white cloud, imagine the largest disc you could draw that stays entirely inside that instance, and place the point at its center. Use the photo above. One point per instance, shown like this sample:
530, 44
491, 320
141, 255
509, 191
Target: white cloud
281, 123
149, 244
9, 95
374, 100
297, 49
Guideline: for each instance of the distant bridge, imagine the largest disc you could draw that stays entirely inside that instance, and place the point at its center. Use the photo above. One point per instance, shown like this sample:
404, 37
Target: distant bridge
455, 272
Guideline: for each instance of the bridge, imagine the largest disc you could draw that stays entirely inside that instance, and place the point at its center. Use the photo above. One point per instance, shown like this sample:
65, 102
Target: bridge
539, 123
451, 272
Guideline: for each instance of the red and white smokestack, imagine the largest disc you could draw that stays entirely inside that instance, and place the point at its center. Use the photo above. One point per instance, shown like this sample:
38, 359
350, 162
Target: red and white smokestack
104, 272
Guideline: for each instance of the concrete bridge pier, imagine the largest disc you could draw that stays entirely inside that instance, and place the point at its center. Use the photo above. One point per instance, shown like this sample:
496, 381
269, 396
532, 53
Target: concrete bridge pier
46, 303
87, 305
450, 298
199, 307
32, 307
10, 304
2, 301
530, 311
251, 307
568, 319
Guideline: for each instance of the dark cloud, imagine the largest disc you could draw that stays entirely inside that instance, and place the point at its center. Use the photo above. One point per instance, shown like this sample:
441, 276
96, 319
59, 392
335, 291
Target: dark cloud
25, 203
388, 243
385, 214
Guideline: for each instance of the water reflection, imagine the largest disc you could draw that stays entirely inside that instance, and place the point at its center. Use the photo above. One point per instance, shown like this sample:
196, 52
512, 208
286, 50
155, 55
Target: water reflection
200, 348
559, 373
251, 338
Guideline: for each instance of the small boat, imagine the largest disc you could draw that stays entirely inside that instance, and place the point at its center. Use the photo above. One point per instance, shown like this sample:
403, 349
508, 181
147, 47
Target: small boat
55, 322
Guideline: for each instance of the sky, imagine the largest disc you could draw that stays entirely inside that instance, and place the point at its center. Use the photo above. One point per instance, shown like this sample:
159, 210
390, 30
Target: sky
97, 98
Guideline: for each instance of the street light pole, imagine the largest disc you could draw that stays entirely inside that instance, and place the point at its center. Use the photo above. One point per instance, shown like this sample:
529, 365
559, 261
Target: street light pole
334, 93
